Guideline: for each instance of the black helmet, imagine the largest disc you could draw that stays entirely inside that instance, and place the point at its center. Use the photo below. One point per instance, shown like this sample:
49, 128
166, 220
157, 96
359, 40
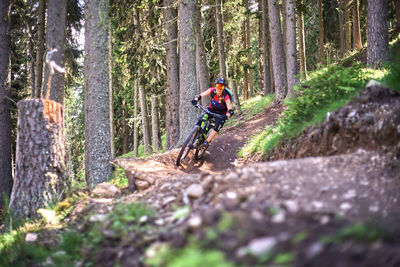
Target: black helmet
220, 81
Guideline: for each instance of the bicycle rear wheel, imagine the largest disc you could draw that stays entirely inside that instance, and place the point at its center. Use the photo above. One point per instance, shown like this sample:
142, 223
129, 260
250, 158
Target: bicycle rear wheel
187, 145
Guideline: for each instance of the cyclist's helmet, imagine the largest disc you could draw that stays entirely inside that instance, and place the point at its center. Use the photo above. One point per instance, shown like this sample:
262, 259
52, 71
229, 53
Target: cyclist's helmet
220, 81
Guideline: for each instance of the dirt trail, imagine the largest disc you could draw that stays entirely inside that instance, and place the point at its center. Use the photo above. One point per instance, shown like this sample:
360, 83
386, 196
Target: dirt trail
320, 210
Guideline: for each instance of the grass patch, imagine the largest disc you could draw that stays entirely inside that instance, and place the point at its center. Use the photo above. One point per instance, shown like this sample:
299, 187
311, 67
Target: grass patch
119, 178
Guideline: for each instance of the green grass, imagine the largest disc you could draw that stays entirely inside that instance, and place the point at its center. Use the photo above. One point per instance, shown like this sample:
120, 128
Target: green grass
119, 178
141, 149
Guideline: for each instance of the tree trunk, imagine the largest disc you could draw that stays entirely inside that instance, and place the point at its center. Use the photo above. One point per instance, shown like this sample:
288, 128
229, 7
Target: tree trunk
40, 48
245, 69
172, 112
397, 7
155, 125
321, 34
145, 121
55, 38
188, 89
277, 50
249, 47
377, 33
347, 25
110, 68
266, 48
302, 46
97, 107
342, 39
235, 91
203, 75
356, 26
291, 51
125, 128
135, 119
220, 38
40, 160
6, 179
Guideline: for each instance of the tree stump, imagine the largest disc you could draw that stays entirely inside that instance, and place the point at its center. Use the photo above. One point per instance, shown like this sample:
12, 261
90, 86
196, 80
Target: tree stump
40, 157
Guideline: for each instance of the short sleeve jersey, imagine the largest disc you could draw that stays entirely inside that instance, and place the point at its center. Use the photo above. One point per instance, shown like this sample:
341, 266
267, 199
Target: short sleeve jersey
218, 103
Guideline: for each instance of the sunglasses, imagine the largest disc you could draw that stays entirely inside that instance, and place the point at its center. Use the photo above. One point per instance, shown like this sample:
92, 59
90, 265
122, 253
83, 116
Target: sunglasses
220, 86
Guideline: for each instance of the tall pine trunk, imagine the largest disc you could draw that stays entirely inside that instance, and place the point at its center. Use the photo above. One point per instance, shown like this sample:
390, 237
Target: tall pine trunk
347, 25
266, 48
155, 126
145, 120
302, 46
135, 119
291, 50
55, 38
6, 179
40, 47
397, 7
377, 33
250, 52
277, 50
220, 38
187, 63
321, 34
203, 76
97, 107
356, 26
172, 107
245, 89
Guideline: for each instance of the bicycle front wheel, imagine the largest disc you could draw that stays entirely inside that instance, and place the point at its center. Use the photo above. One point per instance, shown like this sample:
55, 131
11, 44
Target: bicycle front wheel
187, 145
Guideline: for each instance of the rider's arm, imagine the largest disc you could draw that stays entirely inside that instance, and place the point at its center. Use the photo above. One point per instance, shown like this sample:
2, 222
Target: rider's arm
206, 93
229, 106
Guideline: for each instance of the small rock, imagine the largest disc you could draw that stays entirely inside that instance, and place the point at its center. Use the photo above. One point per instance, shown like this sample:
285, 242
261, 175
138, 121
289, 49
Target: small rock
97, 218
374, 208
144, 219
315, 249
159, 222
165, 186
260, 246
195, 222
142, 185
105, 190
194, 191
317, 204
291, 206
279, 217
324, 219
231, 195
350, 194
345, 206
168, 200
256, 215
31, 237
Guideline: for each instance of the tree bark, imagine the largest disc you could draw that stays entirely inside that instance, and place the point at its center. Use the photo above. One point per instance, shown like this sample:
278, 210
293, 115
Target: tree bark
55, 38
302, 46
377, 33
135, 119
155, 126
356, 26
291, 50
40, 157
220, 38
125, 128
245, 89
6, 179
172, 107
277, 50
188, 80
145, 120
347, 25
203, 75
266, 48
40, 48
250, 53
97, 107
110, 68
397, 7
321, 34
234, 90
342, 39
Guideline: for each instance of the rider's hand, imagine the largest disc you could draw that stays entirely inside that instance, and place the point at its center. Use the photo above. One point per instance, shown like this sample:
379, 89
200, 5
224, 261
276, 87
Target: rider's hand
195, 100
224, 117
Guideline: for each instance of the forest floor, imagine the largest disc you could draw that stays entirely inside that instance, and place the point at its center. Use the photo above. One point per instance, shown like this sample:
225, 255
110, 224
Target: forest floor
340, 209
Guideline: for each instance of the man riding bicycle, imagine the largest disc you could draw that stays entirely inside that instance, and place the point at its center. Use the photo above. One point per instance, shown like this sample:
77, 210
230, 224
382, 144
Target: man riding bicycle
221, 103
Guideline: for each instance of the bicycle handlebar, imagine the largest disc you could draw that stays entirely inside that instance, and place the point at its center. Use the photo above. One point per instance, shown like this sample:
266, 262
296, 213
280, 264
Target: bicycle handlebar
207, 111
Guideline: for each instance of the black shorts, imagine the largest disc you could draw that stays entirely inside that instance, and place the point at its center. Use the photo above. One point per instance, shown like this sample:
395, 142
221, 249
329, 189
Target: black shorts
219, 122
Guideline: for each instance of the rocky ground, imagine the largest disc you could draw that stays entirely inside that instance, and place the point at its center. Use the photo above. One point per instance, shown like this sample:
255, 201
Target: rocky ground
329, 198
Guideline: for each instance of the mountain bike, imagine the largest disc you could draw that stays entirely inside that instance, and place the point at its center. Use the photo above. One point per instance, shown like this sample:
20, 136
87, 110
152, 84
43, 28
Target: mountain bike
198, 135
